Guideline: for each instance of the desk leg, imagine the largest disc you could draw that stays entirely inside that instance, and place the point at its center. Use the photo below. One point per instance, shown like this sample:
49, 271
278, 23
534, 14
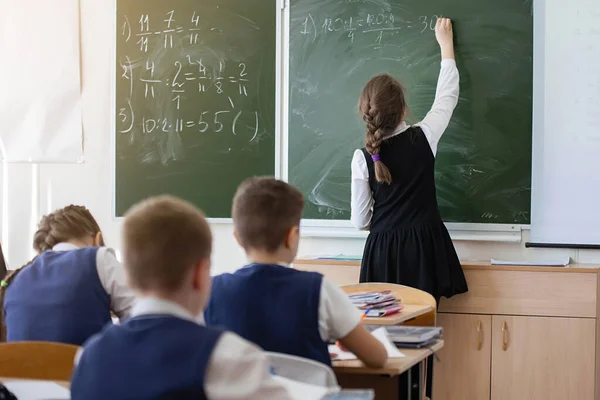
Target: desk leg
422, 379
419, 382
410, 380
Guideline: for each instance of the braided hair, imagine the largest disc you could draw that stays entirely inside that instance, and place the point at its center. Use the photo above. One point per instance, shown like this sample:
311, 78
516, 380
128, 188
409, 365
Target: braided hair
71, 222
66, 224
382, 106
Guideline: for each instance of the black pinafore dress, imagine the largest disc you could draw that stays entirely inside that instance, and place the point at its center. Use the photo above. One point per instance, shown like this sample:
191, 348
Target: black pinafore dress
408, 243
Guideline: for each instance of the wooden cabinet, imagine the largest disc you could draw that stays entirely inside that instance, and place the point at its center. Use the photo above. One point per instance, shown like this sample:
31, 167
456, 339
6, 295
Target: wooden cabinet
539, 336
541, 358
464, 370
520, 333
515, 358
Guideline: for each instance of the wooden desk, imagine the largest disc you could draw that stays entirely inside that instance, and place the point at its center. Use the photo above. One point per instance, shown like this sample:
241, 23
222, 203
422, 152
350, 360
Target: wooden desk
345, 274
559, 304
395, 366
353, 374
410, 311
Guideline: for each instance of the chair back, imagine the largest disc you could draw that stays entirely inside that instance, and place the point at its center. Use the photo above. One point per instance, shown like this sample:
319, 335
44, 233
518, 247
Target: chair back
406, 294
37, 360
302, 370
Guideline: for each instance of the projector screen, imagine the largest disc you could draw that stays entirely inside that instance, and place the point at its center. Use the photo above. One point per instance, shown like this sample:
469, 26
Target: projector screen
566, 135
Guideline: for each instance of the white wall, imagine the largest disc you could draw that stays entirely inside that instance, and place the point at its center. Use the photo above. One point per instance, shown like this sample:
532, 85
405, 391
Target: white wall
32, 190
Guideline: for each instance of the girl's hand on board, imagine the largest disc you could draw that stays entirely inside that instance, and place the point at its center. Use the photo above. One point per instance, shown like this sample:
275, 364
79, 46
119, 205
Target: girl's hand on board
444, 36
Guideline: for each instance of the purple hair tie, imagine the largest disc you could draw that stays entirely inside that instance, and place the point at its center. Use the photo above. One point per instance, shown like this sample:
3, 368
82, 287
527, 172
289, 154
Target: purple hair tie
375, 157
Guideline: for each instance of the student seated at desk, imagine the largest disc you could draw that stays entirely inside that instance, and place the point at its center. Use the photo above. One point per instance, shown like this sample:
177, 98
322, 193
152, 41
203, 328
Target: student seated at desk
279, 308
163, 351
66, 293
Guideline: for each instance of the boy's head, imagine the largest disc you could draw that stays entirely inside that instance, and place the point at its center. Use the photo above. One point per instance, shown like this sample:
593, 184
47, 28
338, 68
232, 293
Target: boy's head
167, 245
266, 218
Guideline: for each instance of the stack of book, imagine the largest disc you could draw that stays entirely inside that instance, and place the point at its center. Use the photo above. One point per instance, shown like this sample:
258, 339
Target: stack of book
411, 336
376, 304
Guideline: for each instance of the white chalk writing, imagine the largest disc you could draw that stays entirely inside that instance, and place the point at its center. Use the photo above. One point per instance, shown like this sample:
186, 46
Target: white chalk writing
174, 83
377, 26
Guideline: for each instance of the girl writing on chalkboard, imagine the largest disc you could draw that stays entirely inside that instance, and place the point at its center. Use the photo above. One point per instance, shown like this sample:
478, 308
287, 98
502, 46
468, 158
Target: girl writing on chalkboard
393, 186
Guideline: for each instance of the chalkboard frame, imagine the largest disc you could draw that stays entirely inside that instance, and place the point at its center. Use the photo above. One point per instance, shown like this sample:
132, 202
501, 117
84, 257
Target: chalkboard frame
279, 68
332, 228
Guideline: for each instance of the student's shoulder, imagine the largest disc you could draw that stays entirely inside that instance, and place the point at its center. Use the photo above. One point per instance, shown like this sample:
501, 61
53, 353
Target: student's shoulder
152, 326
334, 293
97, 342
105, 255
224, 279
232, 346
90, 250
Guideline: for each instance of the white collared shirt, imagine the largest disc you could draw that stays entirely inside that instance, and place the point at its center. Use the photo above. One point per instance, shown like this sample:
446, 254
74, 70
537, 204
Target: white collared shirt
237, 368
433, 125
112, 277
337, 315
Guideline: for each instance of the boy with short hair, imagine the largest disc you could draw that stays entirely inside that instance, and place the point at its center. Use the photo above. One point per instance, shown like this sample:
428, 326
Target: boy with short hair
267, 302
163, 351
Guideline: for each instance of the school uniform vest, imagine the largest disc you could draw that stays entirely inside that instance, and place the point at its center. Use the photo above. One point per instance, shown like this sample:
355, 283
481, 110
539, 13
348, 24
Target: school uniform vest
408, 243
146, 358
58, 298
272, 306
411, 198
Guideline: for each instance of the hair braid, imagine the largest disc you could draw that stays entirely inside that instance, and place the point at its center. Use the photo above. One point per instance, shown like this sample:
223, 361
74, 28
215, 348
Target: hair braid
71, 222
373, 139
382, 106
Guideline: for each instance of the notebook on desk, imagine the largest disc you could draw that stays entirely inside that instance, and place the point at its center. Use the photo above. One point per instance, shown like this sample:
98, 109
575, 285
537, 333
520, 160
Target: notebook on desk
349, 394
402, 334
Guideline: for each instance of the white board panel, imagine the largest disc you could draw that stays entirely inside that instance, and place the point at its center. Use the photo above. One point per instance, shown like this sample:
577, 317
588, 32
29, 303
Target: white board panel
566, 156
41, 84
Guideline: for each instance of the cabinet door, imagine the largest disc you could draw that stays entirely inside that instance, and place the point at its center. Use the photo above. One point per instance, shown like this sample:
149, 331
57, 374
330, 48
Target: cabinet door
543, 358
463, 371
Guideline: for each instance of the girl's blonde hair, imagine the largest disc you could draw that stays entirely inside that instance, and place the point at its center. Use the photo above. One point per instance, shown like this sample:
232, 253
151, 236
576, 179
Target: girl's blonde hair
69, 223
382, 106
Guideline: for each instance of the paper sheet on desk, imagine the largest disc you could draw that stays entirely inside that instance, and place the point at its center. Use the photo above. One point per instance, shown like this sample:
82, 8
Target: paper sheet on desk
303, 391
37, 390
381, 335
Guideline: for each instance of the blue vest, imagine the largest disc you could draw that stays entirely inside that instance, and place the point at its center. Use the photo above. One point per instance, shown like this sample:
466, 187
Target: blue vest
58, 298
146, 358
273, 306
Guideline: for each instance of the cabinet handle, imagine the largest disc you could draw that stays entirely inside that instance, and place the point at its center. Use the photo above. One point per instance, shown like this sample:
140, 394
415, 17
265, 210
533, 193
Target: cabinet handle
504, 336
479, 335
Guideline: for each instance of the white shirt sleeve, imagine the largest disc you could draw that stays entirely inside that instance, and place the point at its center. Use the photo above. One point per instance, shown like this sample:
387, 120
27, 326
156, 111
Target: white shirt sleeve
78, 355
361, 200
240, 370
113, 279
446, 98
337, 315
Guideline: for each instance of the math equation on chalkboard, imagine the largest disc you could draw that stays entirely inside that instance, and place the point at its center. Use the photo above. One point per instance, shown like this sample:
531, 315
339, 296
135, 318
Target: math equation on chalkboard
188, 72
195, 99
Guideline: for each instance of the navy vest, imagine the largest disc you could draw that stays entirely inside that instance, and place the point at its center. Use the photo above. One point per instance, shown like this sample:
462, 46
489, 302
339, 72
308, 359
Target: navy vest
411, 198
58, 298
273, 306
146, 358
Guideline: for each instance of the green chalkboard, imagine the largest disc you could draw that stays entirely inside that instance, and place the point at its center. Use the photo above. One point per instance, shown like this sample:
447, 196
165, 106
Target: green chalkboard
483, 167
195, 99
